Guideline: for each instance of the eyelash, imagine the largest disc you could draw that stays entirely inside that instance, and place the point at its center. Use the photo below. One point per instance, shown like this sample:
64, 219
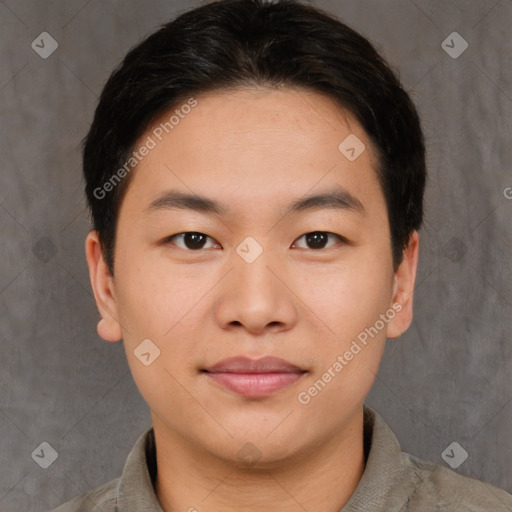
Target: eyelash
169, 239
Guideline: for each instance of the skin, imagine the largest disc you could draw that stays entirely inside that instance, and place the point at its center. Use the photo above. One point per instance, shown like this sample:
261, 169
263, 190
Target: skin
255, 151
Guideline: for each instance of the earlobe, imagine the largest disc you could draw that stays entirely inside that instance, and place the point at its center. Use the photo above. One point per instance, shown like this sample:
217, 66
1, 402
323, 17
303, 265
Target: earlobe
403, 289
109, 330
103, 287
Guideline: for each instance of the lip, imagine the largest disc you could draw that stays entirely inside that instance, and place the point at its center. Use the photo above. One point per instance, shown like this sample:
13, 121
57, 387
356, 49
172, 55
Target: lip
254, 378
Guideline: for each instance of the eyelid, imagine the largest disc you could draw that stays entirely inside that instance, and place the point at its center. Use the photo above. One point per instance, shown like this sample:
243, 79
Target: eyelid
168, 239
341, 239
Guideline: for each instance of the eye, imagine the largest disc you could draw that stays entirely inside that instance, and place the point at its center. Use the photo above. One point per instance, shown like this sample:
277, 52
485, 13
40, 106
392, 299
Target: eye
318, 239
195, 241
192, 240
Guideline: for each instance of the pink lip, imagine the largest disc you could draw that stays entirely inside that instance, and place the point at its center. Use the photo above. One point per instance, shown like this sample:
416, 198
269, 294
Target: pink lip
254, 378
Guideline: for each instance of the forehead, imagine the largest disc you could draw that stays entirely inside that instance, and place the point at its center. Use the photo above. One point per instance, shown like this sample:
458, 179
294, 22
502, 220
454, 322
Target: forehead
246, 145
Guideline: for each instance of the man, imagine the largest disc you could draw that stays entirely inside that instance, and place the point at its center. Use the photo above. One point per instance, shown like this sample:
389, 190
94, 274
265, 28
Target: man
255, 174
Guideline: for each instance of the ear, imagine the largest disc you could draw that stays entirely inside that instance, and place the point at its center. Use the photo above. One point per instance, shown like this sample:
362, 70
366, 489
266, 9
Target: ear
403, 289
102, 283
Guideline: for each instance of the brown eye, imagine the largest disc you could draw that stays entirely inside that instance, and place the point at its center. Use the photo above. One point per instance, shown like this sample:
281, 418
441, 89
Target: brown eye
318, 239
191, 240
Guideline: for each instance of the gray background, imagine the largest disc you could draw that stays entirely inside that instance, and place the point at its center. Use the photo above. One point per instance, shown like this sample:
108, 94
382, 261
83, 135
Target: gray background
447, 379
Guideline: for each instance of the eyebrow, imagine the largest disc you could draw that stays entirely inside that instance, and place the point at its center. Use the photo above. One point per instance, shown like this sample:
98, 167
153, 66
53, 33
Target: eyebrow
338, 198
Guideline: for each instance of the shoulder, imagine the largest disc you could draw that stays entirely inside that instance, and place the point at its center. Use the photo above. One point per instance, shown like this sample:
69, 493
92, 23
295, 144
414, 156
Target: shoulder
441, 488
102, 498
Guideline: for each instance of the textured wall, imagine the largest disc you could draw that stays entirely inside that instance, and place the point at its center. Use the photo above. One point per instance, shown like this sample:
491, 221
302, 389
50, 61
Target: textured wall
447, 379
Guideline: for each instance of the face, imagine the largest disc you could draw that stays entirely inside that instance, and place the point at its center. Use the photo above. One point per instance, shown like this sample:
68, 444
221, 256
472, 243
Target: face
247, 275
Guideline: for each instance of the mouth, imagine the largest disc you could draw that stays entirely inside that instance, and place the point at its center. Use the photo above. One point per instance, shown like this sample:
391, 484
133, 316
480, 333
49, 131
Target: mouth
252, 378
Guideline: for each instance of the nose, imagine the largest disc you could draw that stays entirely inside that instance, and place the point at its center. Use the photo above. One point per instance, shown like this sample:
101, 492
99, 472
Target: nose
257, 297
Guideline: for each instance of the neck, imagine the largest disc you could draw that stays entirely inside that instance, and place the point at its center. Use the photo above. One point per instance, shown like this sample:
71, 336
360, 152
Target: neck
320, 478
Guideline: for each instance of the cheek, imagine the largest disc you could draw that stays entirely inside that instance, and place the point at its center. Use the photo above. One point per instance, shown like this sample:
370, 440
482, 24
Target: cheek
349, 299
160, 308
159, 305
356, 308
154, 297
349, 303
348, 360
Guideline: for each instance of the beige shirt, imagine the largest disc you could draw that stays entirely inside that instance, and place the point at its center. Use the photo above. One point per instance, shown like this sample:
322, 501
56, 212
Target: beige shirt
393, 481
